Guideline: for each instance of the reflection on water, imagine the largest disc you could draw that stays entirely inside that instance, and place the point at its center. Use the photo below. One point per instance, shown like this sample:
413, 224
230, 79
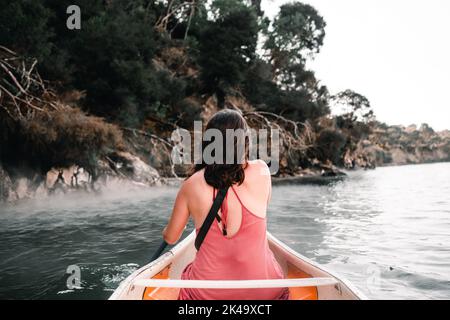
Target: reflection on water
387, 231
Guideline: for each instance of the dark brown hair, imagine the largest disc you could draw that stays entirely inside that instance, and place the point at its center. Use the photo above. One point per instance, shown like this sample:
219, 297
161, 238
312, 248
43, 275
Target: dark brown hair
225, 175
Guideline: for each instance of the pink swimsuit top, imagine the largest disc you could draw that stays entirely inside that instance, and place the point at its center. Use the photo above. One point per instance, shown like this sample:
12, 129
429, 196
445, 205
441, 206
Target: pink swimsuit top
244, 256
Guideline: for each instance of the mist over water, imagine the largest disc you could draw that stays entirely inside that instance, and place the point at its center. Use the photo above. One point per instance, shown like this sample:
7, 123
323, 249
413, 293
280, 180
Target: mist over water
386, 231
108, 236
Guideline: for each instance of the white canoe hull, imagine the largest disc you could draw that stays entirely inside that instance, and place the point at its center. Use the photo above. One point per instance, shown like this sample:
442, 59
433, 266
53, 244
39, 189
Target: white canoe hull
171, 264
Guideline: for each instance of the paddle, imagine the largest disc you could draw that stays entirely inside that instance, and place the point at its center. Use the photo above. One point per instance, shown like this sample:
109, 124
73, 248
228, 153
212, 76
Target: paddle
159, 251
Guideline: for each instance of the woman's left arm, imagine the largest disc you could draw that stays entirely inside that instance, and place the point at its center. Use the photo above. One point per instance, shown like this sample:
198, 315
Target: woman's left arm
180, 216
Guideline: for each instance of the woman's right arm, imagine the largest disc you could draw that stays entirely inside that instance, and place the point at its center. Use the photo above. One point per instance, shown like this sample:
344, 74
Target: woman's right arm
179, 218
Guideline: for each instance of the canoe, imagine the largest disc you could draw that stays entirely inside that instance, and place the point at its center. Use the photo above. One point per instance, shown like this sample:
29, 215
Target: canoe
160, 279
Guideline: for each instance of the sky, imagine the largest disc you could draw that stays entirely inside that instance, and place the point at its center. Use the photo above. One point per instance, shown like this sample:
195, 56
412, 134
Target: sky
395, 52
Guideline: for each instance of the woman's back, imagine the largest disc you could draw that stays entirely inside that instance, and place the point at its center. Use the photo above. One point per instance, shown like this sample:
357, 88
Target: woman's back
254, 192
242, 254
237, 248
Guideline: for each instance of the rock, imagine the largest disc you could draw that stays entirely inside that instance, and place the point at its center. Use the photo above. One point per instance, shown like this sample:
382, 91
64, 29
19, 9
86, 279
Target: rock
136, 169
62, 180
122, 169
397, 145
23, 188
41, 191
333, 172
67, 174
7, 192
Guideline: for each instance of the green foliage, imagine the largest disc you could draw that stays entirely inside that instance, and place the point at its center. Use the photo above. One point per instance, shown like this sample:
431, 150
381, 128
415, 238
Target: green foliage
285, 86
297, 28
305, 102
226, 49
259, 88
110, 58
23, 26
353, 106
156, 59
330, 145
186, 112
355, 115
222, 8
297, 32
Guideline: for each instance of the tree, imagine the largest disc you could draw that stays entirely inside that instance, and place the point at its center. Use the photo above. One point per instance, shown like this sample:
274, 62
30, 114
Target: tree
331, 146
176, 17
112, 55
353, 106
297, 32
110, 58
260, 90
226, 49
355, 116
24, 27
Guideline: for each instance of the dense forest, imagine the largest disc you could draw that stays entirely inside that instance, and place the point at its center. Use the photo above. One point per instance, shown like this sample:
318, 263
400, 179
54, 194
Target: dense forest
103, 100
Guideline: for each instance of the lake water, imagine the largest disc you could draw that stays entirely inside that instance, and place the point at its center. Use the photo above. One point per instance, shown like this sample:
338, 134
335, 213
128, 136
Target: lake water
387, 231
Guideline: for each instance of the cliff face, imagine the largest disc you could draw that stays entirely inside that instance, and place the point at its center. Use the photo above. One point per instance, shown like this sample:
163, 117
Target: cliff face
122, 169
398, 145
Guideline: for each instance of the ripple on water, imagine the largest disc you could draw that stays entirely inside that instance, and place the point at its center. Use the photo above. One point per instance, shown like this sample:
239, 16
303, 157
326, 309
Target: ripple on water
385, 230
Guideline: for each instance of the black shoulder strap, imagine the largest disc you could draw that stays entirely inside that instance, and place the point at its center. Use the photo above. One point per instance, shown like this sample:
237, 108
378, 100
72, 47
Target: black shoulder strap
210, 217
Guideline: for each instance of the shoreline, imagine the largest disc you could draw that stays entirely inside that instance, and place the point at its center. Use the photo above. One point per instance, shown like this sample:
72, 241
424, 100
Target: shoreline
305, 180
308, 177
315, 178
411, 163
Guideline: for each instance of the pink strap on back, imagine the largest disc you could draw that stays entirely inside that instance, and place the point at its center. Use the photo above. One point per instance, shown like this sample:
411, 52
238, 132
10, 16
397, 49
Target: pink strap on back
239, 199
224, 207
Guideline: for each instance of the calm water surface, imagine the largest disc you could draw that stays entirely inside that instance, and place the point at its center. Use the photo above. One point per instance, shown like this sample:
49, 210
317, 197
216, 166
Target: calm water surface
387, 231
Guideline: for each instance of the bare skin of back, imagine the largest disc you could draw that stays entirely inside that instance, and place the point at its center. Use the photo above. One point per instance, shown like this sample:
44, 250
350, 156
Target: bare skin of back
195, 198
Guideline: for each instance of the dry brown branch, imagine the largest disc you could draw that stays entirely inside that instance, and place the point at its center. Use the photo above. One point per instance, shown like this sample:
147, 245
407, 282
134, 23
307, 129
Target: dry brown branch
149, 135
283, 119
191, 15
22, 90
172, 10
292, 137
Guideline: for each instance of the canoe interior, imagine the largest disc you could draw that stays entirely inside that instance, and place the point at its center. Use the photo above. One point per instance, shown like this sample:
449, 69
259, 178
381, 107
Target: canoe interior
307, 293
294, 265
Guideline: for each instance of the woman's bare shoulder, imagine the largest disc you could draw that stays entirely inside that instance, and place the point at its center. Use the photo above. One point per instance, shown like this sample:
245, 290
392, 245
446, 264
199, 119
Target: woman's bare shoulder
194, 181
196, 176
259, 168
